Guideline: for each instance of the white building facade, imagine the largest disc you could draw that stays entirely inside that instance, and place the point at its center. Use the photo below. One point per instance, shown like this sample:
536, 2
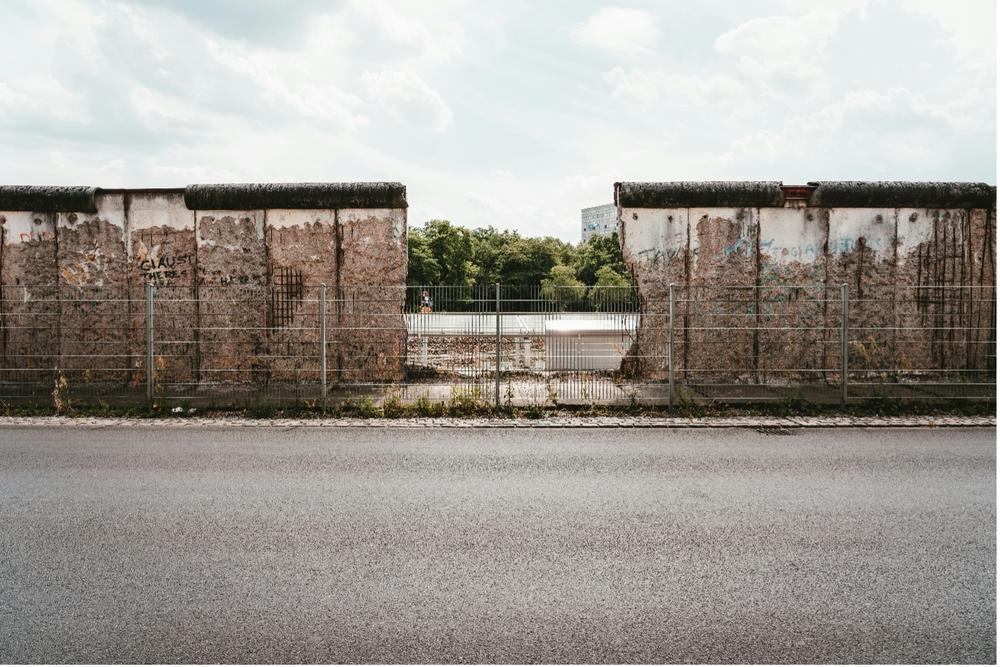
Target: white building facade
598, 221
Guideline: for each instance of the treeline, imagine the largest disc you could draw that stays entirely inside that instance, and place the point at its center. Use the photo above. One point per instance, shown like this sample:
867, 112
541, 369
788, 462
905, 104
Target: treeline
441, 253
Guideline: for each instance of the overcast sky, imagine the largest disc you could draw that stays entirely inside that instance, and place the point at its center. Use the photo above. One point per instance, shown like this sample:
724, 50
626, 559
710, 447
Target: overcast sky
513, 114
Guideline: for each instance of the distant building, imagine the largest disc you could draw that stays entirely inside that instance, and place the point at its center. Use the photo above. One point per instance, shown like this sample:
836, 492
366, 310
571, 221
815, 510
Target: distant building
598, 221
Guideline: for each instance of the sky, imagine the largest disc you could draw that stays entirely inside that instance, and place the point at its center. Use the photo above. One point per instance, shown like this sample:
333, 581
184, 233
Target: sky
514, 114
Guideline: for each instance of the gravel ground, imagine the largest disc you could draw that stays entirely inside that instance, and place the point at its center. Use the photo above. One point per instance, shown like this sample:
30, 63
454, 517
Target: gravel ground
141, 543
557, 421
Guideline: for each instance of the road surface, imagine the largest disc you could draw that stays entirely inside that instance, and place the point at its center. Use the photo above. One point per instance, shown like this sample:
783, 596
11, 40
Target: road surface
376, 545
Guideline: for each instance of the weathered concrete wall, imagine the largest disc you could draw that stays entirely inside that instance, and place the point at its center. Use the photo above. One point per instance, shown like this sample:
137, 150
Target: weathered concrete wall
723, 251
371, 331
768, 269
656, 249
29, 297
232, 296
302, 247
794, 302
92, 261
236, 271
860, 246
946, 305
162, 253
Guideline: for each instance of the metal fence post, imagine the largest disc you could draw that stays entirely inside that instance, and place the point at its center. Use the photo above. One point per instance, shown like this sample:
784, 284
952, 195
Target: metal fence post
844, 304
498, 347
322, 345
149, 345
670, 349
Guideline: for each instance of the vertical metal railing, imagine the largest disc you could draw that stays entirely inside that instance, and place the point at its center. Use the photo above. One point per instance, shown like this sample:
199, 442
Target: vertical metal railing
844, 348
497, 397
670, 347
149, 345
322, 345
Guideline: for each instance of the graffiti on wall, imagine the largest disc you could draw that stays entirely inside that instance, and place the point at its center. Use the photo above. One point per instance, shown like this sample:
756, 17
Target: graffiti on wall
158, 267
36, 235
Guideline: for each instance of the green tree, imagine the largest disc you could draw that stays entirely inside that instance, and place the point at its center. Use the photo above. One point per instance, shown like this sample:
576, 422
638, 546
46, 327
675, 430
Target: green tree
611, 290
445, 254
507, 257
490, 249
531, 260
598, 252
451, 247
422, 267
562, 287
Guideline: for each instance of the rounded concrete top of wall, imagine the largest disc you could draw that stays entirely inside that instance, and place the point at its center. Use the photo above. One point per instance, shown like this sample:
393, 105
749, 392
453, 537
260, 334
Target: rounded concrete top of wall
915, 194
246, 196
48, 199
699, 193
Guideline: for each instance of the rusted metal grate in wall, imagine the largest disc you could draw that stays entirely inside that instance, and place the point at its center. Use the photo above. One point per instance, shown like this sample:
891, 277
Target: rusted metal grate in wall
287, 292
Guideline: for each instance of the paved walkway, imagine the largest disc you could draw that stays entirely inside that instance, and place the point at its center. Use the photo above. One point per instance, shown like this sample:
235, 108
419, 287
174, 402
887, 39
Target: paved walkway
560, 421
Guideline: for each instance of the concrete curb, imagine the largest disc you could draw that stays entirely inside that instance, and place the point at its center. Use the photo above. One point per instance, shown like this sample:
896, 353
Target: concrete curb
553, 422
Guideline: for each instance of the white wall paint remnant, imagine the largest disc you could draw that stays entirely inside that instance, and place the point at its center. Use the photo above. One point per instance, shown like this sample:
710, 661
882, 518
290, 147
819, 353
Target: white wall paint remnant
653, 236
877, 226
395, 216
286, 217
790, 235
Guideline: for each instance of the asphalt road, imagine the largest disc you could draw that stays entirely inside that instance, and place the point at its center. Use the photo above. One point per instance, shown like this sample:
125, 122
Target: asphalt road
362, 545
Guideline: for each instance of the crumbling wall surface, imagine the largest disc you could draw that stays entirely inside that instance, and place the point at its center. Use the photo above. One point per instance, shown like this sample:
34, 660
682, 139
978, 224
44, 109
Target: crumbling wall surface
656, 251
351, 236
795, 343
370, 337
302, 255
162, 254
92, 261
232, 297
861, 249
981, 275
29, 299
722, 299
918, 260
235, 269
945, 294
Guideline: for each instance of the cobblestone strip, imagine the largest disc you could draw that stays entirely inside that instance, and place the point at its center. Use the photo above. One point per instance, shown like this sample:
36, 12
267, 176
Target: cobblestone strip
550, 422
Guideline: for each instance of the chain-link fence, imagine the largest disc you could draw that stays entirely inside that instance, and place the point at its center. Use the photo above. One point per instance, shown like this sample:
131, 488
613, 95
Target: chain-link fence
226, 345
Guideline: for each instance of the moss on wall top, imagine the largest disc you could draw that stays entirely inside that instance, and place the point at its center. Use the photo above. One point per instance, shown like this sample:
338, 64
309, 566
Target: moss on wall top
699, 193
825, 194
245, 196
903, 193
48, 199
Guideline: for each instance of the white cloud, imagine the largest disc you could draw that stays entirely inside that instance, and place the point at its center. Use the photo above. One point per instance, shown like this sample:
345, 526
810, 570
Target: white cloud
278, 80
400, 24
619, 31
408, 97
971, 24
899, 109
791, 80
865, 134
780, 53
41, 97
779, 37
647, 87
